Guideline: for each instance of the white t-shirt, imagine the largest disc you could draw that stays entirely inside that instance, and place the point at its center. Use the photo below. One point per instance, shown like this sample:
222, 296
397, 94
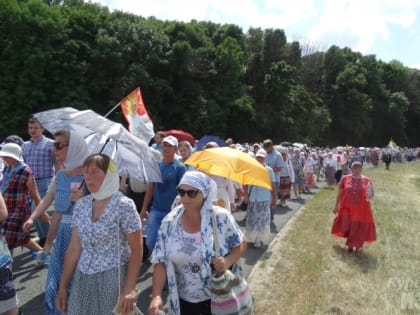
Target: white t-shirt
309, 165
186, 257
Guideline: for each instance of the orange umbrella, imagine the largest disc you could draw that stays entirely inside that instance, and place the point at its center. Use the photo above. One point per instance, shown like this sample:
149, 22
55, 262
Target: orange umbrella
232, 164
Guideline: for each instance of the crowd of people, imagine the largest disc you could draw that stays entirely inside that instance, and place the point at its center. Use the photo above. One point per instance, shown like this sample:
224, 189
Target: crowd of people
94, 237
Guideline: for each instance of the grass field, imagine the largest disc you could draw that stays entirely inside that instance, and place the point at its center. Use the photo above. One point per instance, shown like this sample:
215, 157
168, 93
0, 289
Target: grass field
307, 271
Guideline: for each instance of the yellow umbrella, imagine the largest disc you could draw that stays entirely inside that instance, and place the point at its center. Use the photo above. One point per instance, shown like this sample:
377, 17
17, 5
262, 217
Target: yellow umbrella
232, 164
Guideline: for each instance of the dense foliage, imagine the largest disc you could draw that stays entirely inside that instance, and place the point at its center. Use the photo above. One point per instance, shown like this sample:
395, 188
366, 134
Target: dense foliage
202, 77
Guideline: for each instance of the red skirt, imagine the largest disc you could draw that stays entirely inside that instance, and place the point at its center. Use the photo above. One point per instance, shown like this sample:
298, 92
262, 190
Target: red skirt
356, 232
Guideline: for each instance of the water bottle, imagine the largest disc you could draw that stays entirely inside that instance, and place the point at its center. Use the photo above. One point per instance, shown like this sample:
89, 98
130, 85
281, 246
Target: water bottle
41, 257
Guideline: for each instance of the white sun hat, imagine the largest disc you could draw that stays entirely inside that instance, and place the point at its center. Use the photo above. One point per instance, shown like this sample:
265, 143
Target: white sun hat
11, 150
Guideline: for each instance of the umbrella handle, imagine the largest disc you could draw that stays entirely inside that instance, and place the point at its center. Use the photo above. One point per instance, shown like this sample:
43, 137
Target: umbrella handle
103, 147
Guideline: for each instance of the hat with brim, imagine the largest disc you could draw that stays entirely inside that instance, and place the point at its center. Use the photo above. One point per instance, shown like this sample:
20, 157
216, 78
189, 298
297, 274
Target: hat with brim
11, 150
267, 143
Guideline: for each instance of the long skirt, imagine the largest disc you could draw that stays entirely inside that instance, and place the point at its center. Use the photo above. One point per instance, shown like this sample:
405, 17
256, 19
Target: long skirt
55, 267
356, 231
330, 175
285, 188
309, 180
95, 294
299, 180
258, 221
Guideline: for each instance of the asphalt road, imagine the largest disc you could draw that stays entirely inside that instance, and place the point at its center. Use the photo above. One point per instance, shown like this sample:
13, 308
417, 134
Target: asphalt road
29, 280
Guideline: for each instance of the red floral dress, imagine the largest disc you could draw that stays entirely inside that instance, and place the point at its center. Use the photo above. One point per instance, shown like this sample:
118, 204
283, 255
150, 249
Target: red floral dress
354, 219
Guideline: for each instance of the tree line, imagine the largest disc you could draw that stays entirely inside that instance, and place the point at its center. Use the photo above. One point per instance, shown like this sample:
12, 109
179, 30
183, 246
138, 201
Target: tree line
202, 77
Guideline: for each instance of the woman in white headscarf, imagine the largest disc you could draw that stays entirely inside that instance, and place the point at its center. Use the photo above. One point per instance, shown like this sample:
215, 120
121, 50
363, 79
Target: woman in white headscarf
184, 249
70, 150
105, 248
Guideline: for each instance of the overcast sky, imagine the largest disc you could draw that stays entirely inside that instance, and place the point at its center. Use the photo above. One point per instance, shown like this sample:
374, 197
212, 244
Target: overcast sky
389, 29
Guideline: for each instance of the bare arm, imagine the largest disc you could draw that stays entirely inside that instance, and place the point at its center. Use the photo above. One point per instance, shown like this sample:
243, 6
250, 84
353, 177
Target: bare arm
337, 199
158, 282
128, 294
3, 209
33, 189
70, 262
147, 199
39, 210
223, 263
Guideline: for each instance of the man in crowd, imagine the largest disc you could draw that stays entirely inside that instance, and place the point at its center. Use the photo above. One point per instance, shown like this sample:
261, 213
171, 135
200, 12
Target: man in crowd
164, 193
38, 153
275, 161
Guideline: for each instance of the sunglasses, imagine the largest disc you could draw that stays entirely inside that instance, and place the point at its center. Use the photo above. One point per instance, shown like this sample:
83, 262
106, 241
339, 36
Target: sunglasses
59, 145
190, 193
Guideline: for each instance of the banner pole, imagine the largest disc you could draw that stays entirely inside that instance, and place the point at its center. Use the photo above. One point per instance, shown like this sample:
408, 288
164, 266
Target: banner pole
112, 109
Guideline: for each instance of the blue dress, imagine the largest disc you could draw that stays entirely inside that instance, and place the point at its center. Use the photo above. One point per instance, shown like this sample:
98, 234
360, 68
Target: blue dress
64, 207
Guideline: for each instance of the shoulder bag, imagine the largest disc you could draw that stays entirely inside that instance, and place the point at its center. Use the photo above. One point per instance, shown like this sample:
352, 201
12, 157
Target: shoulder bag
243, 205
230, 293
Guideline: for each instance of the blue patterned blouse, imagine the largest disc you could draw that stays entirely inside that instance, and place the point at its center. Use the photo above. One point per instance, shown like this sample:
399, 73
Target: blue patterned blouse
230, 236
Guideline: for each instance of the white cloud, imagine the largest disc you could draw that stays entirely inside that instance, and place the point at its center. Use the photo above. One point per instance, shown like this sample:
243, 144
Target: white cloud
361, 22
362, 25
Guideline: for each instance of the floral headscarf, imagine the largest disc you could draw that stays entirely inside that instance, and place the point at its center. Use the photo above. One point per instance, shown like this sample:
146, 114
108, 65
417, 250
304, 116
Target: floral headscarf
203, 183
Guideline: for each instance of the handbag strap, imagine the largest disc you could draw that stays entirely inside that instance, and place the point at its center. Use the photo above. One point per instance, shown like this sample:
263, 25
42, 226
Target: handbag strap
118, 250
215, 236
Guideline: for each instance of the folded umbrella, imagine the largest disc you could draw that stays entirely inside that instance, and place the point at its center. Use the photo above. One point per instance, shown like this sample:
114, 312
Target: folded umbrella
232, 164
131, 154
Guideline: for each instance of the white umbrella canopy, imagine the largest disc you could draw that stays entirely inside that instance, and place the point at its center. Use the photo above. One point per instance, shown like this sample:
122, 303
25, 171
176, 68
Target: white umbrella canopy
131, 154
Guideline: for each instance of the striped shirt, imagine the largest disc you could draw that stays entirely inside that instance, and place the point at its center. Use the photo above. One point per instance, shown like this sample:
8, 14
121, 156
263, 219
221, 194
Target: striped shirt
39, 155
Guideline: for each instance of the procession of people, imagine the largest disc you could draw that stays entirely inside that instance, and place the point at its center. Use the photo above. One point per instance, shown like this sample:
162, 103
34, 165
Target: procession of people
89, 219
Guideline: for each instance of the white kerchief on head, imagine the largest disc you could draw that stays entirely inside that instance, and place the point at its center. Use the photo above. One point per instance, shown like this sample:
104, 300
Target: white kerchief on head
203, 183
78, 151
111, 183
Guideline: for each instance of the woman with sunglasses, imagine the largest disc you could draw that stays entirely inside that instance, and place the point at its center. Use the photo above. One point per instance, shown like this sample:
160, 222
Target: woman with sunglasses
70, 150
183, 253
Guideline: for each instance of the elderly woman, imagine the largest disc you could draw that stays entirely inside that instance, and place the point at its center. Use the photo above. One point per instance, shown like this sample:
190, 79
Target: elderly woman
298, 163
105, 247
354, 218
183, 253
259, 200
18, 186
70, 150
330, 166
287, 178
185, 150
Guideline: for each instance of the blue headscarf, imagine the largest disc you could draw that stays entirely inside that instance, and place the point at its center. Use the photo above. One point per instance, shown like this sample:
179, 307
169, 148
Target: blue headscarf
203, 183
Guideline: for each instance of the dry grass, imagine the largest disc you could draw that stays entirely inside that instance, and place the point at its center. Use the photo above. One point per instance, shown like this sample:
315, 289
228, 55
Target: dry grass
306, 271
